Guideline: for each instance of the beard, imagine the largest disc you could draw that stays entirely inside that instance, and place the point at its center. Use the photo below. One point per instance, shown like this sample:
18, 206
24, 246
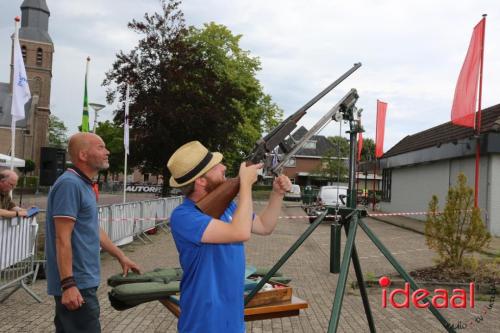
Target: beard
99, 165
212, 184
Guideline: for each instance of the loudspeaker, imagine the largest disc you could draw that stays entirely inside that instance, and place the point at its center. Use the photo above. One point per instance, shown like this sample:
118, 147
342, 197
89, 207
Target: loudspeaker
52, 164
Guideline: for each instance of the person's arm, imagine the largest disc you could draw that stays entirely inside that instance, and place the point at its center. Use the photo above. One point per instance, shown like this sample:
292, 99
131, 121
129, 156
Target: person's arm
265, 222
108, 246
239, 229
13, 212
71, 297
22, 211
7, 213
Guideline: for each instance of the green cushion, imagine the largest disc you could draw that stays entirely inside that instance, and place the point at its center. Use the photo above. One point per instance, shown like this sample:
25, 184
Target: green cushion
126, 296
157, 275
135, 289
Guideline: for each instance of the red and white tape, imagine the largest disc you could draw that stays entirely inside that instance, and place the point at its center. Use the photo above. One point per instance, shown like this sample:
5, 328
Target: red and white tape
369, 215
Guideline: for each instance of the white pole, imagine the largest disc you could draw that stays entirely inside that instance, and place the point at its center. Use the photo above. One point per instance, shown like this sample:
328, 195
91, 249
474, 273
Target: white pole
126, 143
13, 124
12, 145
125, 181
95, 120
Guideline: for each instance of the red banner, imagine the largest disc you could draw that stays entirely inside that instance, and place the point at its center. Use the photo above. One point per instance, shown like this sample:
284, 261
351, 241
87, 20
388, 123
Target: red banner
464, 102
379, 138
360, 145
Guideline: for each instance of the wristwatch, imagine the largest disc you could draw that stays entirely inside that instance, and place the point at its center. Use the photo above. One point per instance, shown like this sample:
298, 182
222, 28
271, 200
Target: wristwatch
17, 213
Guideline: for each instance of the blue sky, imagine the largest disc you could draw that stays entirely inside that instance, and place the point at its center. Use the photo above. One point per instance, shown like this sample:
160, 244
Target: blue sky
411, 52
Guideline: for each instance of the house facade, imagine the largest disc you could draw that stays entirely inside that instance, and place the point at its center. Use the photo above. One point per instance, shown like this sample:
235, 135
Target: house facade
429, 162
303, 168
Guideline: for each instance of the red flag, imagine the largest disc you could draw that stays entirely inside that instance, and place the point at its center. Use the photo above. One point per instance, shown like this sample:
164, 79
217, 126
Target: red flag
360, 145
464, 102
379, 137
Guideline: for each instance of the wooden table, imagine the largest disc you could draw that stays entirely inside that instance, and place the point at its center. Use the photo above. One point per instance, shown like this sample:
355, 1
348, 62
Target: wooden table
268, 311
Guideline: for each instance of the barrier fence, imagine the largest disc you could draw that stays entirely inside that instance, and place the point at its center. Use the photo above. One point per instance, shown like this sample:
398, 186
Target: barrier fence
122, 222
17, 255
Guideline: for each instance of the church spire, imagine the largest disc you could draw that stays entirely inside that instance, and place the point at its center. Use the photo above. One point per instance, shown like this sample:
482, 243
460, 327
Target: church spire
35, 21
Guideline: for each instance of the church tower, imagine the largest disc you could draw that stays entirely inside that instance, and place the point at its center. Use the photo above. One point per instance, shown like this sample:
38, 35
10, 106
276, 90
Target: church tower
37, 49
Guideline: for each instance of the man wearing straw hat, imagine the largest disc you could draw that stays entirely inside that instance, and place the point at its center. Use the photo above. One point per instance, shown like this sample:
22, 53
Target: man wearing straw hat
211, 250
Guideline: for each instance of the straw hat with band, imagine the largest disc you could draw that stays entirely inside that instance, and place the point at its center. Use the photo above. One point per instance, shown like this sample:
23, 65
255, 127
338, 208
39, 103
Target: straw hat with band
189, 162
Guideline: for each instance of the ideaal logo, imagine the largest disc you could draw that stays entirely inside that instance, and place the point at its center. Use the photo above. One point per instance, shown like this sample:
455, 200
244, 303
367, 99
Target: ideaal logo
460, 298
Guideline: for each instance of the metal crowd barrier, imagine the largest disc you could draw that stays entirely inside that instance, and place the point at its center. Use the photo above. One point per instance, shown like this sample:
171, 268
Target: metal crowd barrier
123, 222
17, 255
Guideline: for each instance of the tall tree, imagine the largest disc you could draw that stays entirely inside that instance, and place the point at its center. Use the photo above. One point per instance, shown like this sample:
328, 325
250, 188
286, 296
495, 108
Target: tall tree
340, 144
112, 135
57, 132
368, 151
188, 84
332, 167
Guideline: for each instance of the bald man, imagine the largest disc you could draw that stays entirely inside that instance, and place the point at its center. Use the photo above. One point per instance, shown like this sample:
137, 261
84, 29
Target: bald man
73, 238
8, 181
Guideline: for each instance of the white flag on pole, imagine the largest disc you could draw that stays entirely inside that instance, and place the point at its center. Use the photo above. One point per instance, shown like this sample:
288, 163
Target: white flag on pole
125, 126
20, 88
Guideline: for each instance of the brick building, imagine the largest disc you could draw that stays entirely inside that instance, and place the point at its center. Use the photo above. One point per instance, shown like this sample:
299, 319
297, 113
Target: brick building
303, 168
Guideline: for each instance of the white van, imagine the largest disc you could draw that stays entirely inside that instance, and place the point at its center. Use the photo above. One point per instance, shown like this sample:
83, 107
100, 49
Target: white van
294, 193
335, 196
332, 195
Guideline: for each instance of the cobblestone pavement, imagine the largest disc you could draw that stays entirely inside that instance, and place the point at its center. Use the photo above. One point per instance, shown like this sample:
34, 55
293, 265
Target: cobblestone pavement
309, 269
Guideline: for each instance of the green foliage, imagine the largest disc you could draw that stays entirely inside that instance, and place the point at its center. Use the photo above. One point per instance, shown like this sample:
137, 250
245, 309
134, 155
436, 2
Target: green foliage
331, 167
459, 229
368, 150
57, 132
112, 135
340, 144
186, 84
27, 182
29, 166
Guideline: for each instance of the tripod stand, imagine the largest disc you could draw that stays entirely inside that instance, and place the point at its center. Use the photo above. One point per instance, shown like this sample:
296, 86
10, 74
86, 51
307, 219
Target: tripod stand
350, 219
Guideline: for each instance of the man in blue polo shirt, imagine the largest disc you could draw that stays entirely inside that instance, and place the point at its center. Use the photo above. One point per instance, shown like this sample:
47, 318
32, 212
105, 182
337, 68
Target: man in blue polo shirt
73, 238
211, 251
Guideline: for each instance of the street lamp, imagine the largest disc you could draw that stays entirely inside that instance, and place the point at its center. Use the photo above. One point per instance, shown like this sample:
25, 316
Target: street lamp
96, 107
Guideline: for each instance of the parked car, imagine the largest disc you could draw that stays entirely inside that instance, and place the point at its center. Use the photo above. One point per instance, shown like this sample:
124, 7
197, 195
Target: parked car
294, 193
328, 196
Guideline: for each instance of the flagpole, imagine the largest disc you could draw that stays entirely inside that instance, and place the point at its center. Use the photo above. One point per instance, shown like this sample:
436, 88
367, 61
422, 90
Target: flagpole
85, 115
125, 180
478, 119
13, 123
375, 168
126, 142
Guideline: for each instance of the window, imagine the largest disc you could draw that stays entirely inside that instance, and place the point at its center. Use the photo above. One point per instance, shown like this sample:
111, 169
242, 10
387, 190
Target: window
386, 184
310, 144
23, 51
290, 163
39, 57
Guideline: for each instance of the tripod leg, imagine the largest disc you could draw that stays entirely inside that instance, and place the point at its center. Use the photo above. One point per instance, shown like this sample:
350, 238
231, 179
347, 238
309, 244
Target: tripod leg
285, 257
362, 288
344, 270
404, 274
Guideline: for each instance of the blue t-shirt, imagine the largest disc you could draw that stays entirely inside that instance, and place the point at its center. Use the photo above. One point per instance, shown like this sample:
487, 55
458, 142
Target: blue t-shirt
212, 283
72, 196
